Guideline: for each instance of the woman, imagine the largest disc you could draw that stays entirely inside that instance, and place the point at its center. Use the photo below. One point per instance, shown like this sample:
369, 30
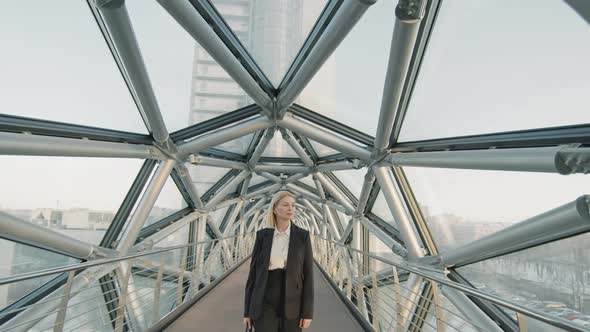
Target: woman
279, 290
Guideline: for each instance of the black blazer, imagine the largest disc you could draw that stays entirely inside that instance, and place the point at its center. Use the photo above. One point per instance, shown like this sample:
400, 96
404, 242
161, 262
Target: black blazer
298, 274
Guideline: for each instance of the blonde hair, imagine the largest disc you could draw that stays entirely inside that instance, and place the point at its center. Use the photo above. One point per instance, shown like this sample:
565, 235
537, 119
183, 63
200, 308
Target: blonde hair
271, 220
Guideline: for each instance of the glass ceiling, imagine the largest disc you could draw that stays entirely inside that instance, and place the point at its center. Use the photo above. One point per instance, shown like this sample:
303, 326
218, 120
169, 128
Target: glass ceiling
488, 66
525, 75
275, 21
51, 78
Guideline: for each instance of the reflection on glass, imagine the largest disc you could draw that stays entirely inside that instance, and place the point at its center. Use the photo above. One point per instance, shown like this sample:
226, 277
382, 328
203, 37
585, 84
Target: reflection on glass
553, 278
61, 69
493, 78
349, 86
461, 206
18, 258
272, 31
77, 197
168, 202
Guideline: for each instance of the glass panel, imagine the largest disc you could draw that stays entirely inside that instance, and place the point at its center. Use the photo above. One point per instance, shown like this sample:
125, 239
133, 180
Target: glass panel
348, 88
272, 31
218, 215
86, 311
189, 85
308, 180
256, 179
452, 318
353, 180
552, 278
205, 176
180, 237
239, 146
381, 209
66, 73
467, 74
377, 247
496, 199
74, 196
322, 150
18, 258
169, 201
145, 294
278, 147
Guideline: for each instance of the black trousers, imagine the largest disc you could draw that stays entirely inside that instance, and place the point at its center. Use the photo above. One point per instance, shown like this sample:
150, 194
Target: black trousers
272, 318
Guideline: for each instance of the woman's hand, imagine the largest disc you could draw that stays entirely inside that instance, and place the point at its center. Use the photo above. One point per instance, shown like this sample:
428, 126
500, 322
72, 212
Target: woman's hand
304, 323
248, 322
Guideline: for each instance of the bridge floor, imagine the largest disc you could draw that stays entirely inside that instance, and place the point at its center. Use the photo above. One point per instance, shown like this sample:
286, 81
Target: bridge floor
221, 309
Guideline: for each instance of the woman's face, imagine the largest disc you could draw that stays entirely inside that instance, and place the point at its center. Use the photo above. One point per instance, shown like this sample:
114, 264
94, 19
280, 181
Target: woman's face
285, 208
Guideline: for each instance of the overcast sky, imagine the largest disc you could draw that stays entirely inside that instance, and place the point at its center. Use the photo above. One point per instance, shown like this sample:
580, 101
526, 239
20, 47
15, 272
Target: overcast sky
490, 66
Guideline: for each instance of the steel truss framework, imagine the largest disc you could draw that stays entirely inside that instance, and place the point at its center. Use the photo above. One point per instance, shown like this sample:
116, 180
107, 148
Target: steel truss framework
562, 150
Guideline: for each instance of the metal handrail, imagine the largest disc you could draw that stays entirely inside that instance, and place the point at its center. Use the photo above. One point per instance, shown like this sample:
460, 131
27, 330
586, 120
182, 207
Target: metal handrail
419, 270
102, 261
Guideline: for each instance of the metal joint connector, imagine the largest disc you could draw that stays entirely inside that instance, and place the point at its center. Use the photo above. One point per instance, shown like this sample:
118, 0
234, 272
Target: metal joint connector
410, 11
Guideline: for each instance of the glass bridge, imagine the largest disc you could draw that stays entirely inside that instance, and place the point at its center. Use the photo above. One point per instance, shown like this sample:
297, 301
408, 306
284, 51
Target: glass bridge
437, 149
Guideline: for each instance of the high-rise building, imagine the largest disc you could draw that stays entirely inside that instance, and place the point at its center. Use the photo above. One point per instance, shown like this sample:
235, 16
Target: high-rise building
272, 31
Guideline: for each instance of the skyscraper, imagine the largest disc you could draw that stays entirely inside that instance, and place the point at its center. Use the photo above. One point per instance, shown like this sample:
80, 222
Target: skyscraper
272, 31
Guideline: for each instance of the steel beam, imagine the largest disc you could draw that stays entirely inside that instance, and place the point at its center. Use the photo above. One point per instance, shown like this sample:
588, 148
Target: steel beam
329, 217
295, 178
288, 136
223, 135
312, 209
188, 17
399, 212
37, 145
215, 162
15, 229
263, 191
470, 310
226, 189
405, 33
334, 191
262, 144
349, 229
365, 192
345, 19
325, 137
188, 183
145, 205
339, 165
559, 159
150, 241
303, 192
121, 32
567, 220
281, 168
395, 246
270, 176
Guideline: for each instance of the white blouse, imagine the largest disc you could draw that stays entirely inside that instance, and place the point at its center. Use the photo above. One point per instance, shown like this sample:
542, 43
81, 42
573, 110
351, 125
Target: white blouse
280, 249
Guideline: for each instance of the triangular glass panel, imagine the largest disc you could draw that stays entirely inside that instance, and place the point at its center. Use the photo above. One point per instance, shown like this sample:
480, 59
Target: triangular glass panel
18, 258
308, 180
442, 193
465, 63
238, 145
180, 237
78, 197
272, 31
381, 209
205, 176
353, 179
343, 90
168, 202
256, 179
188, 83
278, 147
322, 150
69, 82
